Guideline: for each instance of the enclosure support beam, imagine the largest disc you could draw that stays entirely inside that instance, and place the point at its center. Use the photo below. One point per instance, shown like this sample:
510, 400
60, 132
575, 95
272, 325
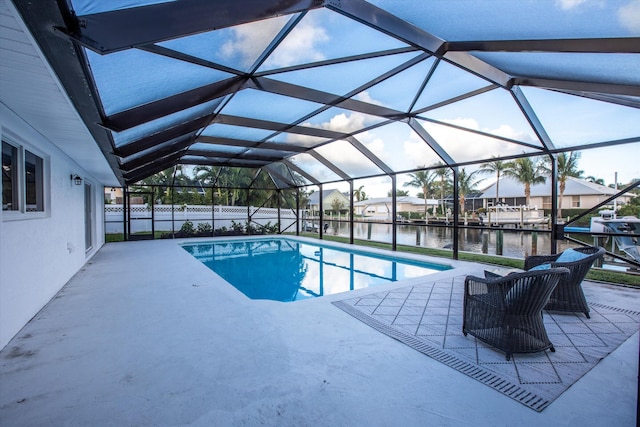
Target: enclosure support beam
213, 210
556, 230
321, 214
456, 212
132, 27
298, 211
278, 195
394, 215
351, 211
532, 118
125, 211
173, 204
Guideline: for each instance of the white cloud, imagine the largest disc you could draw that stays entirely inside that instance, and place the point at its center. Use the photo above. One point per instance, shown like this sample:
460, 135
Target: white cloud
345, 123
342, 122
299, 46
376, 146
403, 149
509, 132
464, 146
250, 40
629, 16
569, 4
468, 123
366, 97
417, 152
503, 130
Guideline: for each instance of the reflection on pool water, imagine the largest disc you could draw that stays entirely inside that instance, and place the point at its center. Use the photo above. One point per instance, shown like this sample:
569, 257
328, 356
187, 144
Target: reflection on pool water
283, 269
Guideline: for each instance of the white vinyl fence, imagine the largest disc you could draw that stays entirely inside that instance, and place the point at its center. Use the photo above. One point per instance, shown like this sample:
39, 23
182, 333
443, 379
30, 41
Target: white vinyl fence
222, 216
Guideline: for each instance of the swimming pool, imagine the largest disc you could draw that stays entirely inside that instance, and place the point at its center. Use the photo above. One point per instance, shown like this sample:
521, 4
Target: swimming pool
284, 269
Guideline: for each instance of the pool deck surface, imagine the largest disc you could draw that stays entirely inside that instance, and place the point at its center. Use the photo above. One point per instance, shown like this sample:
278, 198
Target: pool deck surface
145, 335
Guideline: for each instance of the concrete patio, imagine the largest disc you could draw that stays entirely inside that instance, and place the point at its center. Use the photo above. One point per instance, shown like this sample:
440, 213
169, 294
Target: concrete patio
145, 334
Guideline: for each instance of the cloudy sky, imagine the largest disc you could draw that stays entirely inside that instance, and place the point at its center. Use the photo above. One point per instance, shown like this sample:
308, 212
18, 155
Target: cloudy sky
323, 34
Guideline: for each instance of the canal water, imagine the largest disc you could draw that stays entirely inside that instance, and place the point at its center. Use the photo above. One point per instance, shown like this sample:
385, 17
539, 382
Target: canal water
507, 242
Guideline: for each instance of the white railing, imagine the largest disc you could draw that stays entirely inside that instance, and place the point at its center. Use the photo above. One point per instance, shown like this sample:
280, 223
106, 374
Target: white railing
165, 215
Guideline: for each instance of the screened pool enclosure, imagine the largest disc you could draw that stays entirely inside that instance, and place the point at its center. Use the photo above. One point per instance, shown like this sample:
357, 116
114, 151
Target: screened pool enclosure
316, 95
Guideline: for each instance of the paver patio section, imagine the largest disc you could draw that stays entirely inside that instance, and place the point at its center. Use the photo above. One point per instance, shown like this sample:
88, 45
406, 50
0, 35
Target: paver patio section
145, 334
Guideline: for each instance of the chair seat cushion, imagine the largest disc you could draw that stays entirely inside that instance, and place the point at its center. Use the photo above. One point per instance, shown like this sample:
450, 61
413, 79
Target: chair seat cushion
570, 255
544, 266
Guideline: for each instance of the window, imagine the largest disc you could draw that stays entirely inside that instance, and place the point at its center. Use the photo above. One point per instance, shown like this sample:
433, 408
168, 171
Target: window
575, 201
33, 182
22, 180
88, 217
546, 202
9, 177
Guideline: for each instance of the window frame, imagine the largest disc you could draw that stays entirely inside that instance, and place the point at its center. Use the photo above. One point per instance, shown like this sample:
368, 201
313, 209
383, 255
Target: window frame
575, 202
15, 177
42, 184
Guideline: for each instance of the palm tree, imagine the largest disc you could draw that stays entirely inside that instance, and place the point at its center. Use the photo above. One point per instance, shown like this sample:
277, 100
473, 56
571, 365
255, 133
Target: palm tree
567, 166
205, 174
337, 205
208, 175
443, 174
525, 171
595, 180
265, 193
424, 180
467, 183
234, 178
359, 193
165, 180
497, 167
399, 193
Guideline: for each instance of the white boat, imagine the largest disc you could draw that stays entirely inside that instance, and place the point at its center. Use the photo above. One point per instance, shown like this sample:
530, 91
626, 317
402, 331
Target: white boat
518, 215
608, 223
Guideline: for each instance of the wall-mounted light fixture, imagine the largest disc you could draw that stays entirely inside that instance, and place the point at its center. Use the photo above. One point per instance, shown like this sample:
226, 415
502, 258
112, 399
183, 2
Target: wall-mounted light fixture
76, 179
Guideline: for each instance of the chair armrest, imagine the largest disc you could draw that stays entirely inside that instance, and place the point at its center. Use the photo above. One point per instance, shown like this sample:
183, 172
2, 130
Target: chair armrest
500, 286
491, 275
475, 285
535, 260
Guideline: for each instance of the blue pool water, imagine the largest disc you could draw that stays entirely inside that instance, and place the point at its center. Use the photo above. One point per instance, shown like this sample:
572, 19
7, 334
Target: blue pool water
283, 269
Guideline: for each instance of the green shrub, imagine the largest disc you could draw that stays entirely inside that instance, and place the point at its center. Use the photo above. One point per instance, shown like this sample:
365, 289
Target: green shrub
238, 228
251, 229
187, 228
629, 210
204, 228
270, 229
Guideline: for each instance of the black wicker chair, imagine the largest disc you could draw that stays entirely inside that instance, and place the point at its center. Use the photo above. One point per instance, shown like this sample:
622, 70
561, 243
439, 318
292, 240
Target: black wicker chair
568, 295
506, 312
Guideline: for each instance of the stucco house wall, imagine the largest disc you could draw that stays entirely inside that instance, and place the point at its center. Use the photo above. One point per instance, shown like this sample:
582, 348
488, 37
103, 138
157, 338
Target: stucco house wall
40, 252
328, 196
578, 192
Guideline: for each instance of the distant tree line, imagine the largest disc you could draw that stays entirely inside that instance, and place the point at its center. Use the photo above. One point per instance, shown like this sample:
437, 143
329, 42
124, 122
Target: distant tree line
228, 185
220, 185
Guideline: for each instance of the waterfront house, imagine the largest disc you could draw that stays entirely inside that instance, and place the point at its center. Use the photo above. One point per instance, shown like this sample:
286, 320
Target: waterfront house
329, 198
578, 194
